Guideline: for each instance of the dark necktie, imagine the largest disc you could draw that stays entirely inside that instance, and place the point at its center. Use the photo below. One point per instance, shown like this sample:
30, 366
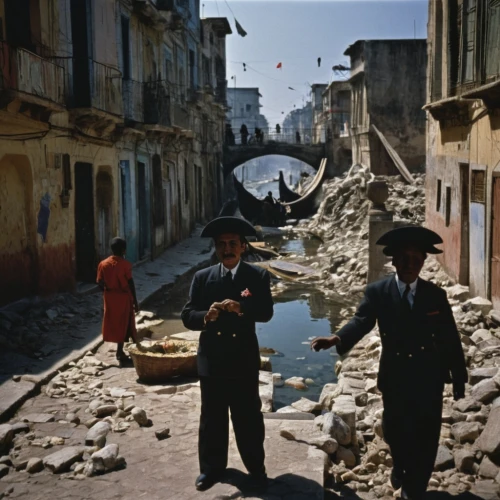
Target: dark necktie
406, 301
228, 279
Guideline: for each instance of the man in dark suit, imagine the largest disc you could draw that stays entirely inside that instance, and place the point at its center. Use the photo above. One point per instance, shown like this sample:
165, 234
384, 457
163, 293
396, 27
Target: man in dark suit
225, 302
421, 350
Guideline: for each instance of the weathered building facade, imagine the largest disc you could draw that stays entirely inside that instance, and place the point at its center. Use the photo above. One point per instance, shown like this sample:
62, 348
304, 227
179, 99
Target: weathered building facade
331, 125
463, 140
108, 127
299, 120
319, 130
388, 92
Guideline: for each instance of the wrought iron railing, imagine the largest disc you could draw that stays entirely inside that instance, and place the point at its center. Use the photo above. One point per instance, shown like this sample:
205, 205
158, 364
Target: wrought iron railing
28, 73
133, 100
106, 88
91, 84
180, 116
157, 108
234, 136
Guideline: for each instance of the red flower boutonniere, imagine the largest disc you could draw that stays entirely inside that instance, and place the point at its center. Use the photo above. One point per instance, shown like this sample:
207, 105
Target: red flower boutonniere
246, 293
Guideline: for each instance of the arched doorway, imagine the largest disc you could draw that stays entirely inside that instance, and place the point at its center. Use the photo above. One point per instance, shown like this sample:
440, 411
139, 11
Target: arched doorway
104, 201
18, 268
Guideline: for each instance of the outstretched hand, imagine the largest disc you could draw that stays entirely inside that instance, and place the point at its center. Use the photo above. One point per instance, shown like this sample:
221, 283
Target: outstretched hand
320, 343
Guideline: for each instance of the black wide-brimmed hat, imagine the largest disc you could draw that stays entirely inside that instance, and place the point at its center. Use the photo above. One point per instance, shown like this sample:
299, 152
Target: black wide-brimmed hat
420, 237
223, 225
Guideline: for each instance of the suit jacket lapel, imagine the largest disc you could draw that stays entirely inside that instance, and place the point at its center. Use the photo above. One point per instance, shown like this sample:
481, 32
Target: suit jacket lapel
394, 292
419, 297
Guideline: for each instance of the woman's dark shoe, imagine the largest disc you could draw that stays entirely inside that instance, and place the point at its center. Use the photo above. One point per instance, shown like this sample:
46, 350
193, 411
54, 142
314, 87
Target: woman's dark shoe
124, 361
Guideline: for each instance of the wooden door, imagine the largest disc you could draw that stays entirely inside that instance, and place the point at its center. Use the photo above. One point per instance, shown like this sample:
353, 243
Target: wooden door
495, 247
86, 264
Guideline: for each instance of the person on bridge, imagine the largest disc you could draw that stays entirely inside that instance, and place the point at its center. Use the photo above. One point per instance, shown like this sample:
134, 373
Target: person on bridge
114, 277
297, 137
421, 351
244, 134
278, 129
225, 302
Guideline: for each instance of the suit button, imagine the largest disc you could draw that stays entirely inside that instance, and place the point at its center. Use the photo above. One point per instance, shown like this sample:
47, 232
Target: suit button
397, 354
423, 348
219, 333
234, 334
409, 355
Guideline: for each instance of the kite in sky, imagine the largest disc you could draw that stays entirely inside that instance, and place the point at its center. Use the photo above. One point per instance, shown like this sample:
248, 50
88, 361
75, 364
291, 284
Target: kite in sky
279, 66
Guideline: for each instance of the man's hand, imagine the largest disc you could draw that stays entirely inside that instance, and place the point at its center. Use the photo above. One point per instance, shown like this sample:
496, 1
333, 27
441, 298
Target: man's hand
231, 306
458, 391
136, 307
213, 312
320, 343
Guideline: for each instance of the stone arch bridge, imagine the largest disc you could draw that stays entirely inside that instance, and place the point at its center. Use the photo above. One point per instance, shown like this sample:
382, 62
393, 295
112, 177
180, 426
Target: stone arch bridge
234, 156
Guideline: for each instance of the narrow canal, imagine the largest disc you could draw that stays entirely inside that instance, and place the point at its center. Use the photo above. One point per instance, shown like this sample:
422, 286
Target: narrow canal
301, 313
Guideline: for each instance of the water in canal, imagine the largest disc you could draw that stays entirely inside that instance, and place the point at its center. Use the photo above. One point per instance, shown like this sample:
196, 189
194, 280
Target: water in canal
300, 313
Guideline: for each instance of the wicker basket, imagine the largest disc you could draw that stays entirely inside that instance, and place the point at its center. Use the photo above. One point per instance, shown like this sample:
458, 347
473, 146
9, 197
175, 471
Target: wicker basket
157, 368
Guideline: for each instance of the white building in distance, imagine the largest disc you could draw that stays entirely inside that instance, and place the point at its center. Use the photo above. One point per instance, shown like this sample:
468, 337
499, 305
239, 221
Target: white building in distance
244, 108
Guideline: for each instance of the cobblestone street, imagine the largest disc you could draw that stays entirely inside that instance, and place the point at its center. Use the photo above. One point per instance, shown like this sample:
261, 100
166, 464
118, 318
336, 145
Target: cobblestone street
155, 469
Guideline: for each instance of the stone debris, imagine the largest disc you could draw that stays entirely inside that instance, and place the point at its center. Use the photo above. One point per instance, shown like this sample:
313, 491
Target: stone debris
34, 465
6, 437
162, 434
106, 459
307, 406
62, 460
140, 416
96, 436
297, 383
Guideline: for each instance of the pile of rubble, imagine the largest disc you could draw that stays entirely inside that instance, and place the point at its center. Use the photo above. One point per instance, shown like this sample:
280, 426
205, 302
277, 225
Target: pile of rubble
101, 410
469, 451
342, 224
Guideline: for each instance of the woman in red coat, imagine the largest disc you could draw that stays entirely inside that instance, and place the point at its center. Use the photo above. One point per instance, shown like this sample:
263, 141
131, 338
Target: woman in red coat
114, 276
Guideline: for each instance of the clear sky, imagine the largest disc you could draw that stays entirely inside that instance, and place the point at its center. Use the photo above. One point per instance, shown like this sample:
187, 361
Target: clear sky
296, 33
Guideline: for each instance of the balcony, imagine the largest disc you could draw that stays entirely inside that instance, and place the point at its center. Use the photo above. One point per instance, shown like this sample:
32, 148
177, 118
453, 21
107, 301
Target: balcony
157, 104
149, 12
180, 117
133, 101
31, 79
221, 92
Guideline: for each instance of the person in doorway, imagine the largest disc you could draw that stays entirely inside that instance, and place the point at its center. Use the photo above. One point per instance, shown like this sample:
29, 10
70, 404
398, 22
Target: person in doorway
225, 302
114, 277
297, 137
244, 134
421, 351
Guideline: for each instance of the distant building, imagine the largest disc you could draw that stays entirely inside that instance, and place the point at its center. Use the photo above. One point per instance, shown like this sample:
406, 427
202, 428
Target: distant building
299, 120
334, 123
463, 141
244, 108
388, 92
318, 133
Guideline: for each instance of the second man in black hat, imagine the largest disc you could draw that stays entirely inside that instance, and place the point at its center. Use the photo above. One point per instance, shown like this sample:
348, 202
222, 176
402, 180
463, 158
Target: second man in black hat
225, 302
421, 350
